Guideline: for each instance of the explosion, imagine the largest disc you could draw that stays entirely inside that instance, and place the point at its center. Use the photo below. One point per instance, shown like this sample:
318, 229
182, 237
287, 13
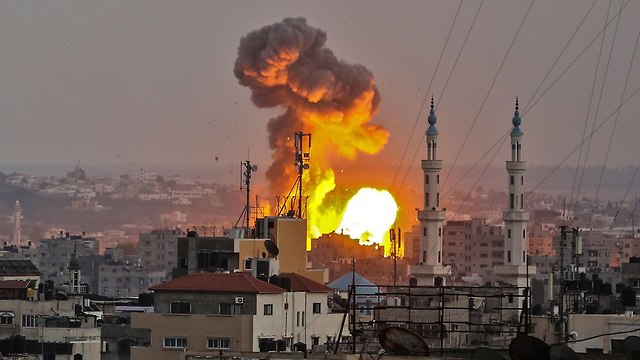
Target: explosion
369, 214
287, 64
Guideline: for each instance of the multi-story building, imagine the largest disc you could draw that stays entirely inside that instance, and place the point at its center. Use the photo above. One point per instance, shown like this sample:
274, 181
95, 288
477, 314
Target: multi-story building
158, 250
126, 279
204, 254
32, 323
472, 247
249, 314
53, 255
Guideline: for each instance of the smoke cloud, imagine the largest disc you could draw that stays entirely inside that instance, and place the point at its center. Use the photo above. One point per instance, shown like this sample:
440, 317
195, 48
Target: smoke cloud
287, 64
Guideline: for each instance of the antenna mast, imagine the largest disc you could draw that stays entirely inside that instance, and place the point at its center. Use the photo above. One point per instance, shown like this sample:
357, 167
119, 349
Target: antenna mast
245, 177
302, 162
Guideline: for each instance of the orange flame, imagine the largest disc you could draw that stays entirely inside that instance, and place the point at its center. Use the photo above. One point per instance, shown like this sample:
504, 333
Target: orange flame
286, 64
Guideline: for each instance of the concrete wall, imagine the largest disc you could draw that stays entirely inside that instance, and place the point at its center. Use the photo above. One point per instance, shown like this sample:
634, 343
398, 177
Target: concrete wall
196, 328
268, 326
587, 325
204, 303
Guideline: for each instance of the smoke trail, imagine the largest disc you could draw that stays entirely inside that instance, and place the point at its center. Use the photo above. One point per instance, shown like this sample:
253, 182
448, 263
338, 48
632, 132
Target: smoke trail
287, 64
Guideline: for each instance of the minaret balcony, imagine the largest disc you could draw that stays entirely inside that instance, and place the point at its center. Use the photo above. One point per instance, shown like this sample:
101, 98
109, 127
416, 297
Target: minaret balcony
431, 164
515, 216
516, 165
431, 215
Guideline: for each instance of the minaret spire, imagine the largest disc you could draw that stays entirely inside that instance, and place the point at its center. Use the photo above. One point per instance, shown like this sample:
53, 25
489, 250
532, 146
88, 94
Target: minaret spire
515, 217
74, 268
431, 216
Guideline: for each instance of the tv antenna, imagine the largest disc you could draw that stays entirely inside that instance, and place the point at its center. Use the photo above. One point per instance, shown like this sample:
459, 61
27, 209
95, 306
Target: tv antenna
246, 168
302, 162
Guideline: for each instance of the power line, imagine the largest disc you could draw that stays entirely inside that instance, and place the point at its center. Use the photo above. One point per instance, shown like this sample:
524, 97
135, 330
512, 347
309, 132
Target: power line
442, 94
532, 97
583, 141
572, 62
426, 95
566, 46
504, 60
604, 81
615, 123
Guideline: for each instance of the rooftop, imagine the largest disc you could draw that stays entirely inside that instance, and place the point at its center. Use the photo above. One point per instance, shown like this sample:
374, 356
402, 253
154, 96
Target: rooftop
18, 268
218, 283
303, 284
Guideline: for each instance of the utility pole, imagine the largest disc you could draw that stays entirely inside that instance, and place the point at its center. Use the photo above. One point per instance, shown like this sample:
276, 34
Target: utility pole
568, 274
246, 176
563, 244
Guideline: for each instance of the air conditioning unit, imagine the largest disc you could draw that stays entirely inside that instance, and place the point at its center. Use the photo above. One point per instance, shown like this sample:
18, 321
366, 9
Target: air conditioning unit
239, 300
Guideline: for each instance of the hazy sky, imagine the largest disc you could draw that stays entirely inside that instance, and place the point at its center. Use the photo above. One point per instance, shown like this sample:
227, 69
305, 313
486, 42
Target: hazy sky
150, 82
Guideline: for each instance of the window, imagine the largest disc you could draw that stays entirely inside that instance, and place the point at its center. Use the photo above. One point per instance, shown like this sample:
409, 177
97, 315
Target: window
230, 309
438, 200
509, 256
438, 178
521, 180
511, 201
219, 343
6, 318
268, 309
317, 308
511, 181
179, 307
524, 234
30, 321
424, 231
426, 199
521, 201
175, 342
509, 233
297, 318
426, 179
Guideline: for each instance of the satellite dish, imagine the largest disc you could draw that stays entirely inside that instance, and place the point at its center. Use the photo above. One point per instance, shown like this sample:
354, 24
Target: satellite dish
632, 348
528, 348
271, 247
254, 167
484, 353
398, 341
562, 352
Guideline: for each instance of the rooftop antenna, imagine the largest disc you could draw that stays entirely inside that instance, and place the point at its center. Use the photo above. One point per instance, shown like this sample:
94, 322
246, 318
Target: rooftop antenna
246, 168
301, 162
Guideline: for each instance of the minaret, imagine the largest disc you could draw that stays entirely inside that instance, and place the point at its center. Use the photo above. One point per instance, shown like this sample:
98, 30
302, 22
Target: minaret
514, 270
17, 230
74, 273
432, 216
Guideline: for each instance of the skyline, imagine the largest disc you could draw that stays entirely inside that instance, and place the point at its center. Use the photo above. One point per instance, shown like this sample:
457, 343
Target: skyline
150, 83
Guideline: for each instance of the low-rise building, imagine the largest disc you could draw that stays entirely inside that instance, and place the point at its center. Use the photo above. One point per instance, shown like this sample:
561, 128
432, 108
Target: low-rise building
211, 312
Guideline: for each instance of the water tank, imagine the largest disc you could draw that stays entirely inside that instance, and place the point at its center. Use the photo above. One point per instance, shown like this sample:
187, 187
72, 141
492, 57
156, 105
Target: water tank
285, 283
275, 280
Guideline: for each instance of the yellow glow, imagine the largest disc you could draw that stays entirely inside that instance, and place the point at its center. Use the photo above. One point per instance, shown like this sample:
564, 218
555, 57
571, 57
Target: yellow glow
369, 215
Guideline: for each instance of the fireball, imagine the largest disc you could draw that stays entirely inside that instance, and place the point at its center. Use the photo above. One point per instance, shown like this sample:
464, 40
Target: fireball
369, 215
